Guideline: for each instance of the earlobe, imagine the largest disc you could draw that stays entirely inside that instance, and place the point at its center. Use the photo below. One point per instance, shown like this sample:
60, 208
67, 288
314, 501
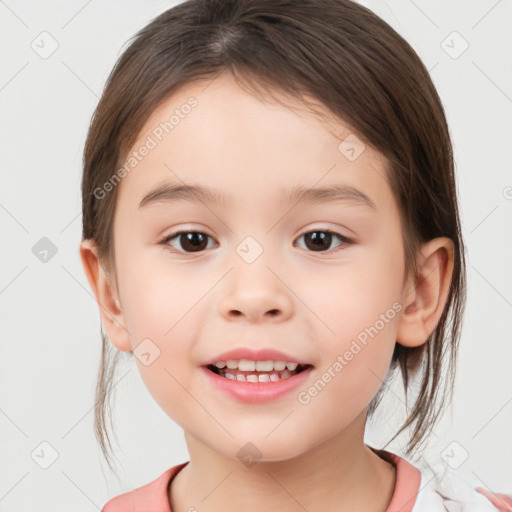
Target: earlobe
112, 316
424, 301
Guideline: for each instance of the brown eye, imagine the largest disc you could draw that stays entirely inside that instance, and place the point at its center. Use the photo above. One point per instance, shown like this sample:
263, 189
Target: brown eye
190, 241
321, 240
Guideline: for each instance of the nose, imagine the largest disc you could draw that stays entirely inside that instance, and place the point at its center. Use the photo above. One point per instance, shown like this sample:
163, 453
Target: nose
257, 293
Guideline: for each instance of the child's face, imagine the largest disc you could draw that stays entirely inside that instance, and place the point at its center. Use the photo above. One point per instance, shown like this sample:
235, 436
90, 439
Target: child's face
310, 304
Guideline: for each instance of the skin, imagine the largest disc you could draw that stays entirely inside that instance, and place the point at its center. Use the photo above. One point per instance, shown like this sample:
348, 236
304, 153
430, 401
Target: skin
310, 304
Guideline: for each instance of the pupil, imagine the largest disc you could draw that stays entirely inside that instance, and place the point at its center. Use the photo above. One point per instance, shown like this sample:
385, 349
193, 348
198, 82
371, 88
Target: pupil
192, 239
319, 238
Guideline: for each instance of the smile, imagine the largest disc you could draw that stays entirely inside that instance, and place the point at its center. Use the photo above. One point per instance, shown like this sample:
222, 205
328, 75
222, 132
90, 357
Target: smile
254, 386
246, 370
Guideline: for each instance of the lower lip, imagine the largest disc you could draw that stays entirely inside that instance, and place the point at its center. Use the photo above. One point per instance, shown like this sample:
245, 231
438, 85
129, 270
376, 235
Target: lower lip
257, 392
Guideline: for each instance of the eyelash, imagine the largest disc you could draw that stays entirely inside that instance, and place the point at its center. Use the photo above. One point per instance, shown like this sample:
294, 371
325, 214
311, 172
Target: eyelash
168, 238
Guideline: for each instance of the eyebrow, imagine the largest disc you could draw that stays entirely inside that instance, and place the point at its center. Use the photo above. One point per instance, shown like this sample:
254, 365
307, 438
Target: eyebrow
168, 192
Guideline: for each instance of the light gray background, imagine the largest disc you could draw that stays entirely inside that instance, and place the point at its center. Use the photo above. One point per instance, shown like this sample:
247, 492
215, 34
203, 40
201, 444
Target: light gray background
50, 343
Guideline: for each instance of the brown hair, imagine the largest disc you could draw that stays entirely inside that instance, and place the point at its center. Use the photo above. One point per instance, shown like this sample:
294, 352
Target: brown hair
363, 71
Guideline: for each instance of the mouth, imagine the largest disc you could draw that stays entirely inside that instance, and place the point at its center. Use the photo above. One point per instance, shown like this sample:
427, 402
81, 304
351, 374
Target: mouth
255, 376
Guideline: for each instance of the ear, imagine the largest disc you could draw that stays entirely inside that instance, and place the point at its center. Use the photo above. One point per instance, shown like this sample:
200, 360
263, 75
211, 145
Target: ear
106, 295
424, 302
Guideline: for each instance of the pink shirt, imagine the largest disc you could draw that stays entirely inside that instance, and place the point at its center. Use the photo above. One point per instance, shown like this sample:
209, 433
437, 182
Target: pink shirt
153, 497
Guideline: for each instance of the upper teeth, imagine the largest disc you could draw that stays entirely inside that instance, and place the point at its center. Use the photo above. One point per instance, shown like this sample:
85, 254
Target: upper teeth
246, 365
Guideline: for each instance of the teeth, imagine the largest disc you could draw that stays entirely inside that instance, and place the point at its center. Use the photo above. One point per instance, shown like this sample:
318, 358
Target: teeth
264, 366
268, 371
246, 365
264, 377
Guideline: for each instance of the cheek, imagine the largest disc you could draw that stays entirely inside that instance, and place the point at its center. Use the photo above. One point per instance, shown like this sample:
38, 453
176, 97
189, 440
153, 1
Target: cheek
359, 306
157, 301
348, 299
354, 364
162, 312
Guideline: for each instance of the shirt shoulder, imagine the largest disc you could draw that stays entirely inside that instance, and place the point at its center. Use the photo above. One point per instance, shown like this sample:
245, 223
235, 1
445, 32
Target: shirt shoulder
444, 491
151, 497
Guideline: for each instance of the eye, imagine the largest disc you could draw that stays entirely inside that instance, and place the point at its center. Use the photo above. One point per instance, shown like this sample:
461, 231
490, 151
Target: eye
320, 239
191, 241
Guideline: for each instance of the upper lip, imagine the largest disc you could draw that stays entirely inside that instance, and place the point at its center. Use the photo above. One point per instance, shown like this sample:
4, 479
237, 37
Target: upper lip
253, 354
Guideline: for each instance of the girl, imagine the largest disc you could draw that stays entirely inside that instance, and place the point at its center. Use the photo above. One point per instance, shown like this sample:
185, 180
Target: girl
232, 140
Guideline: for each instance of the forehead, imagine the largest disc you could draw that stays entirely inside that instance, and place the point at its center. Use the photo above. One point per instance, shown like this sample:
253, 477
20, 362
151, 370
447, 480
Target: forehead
215, 134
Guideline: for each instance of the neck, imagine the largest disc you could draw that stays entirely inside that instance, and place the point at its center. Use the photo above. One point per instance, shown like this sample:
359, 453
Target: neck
341, 474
